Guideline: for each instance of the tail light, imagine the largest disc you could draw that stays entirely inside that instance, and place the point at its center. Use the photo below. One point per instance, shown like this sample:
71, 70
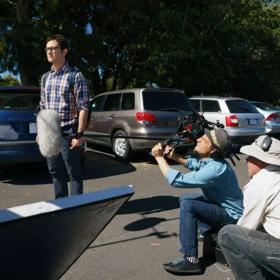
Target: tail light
232, 121
272, 117
145, 117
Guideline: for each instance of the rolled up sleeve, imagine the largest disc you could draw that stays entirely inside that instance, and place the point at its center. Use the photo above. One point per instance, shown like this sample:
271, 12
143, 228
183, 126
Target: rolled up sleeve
203, 178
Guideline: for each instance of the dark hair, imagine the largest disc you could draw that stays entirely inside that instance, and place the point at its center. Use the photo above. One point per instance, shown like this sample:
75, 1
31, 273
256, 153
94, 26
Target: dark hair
63, 43
217, 155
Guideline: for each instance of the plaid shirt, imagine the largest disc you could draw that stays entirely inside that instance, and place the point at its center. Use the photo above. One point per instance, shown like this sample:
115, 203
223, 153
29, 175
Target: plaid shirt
56, 94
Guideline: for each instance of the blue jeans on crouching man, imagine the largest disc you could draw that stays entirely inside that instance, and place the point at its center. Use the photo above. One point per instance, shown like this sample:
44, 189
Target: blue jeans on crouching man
66, 165
196, 212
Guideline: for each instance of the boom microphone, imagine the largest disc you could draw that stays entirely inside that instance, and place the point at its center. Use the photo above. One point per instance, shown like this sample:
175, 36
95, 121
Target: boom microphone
49, 133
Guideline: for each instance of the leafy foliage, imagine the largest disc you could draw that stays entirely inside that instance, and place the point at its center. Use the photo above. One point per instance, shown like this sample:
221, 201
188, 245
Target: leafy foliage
210, 46
8, 80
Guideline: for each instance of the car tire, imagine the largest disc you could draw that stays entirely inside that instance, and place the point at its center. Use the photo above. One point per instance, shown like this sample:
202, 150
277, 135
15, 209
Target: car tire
121, 146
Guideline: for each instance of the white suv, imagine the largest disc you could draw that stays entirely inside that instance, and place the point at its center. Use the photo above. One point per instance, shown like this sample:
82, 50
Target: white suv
241, 120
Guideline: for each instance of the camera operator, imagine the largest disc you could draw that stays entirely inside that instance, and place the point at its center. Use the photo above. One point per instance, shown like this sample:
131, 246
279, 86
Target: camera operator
220, 202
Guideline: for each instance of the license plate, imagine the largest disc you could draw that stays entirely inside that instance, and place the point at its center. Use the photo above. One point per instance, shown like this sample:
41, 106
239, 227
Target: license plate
32, 128
253, 122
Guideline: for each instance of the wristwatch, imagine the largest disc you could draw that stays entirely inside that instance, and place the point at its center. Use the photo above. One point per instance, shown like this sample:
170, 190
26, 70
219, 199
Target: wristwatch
79, 135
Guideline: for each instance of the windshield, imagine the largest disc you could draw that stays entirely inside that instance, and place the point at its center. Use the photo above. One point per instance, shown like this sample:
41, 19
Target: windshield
166, 101
12, 101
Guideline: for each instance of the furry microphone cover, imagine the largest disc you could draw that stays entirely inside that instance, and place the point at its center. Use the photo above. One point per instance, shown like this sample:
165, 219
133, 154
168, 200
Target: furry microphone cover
49, 133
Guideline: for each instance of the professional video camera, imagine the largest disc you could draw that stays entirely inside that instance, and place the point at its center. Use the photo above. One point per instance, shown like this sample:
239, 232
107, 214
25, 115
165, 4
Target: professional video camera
190, 128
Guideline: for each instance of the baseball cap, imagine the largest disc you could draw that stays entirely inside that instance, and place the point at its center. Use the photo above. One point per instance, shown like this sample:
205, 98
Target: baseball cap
219, 138
270, 154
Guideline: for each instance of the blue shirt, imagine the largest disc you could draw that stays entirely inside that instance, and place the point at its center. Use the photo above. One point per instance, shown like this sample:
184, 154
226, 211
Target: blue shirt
57, 95
215, 178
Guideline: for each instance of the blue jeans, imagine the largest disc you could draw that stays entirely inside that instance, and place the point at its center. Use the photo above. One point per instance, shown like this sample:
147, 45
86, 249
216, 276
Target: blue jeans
196, 212
251, 254
66, 165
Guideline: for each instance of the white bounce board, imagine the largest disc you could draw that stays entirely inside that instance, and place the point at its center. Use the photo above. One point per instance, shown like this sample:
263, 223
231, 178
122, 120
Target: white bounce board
42, 240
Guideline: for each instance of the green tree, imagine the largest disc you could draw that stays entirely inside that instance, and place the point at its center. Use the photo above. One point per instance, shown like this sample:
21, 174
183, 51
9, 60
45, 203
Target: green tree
8, 81
210, 46
19, 39
24, 26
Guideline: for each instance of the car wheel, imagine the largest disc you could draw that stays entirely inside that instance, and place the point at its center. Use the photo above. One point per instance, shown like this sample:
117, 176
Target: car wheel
121, 146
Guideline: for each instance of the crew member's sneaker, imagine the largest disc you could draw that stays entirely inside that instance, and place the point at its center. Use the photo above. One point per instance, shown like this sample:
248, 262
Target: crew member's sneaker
183, 267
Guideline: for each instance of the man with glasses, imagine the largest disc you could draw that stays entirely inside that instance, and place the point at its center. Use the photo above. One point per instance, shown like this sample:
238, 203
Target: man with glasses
252, 247
65, 90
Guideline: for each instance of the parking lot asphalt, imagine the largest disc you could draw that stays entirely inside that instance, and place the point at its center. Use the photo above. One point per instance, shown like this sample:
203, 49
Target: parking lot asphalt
140, 238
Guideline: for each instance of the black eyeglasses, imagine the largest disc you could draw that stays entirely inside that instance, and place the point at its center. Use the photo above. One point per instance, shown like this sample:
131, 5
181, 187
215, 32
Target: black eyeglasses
52, 49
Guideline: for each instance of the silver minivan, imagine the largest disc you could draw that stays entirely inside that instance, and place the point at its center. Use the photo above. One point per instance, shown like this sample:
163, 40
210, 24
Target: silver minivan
145, 113
240, 118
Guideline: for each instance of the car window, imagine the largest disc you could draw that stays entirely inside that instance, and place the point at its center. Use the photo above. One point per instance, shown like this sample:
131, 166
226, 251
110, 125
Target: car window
241, 106
127, 101
97, 103
210, 106
11, 101
196, 104
154, 101
112, 102
265, 106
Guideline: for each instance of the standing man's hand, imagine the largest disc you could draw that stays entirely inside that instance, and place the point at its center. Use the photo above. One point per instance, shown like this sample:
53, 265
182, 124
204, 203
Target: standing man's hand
76, 142
82, 123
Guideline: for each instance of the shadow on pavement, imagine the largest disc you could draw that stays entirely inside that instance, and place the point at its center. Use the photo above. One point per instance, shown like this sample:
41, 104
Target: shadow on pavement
96, 165
25, 174
146, 223
100, 165
157, 234
150, 205
146, 206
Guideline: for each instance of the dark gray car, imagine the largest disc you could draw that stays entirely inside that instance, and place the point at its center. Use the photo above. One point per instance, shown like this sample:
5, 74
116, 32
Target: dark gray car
141, 112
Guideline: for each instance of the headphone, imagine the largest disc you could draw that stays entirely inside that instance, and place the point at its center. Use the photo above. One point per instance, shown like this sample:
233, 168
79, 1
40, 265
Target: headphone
265, 144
